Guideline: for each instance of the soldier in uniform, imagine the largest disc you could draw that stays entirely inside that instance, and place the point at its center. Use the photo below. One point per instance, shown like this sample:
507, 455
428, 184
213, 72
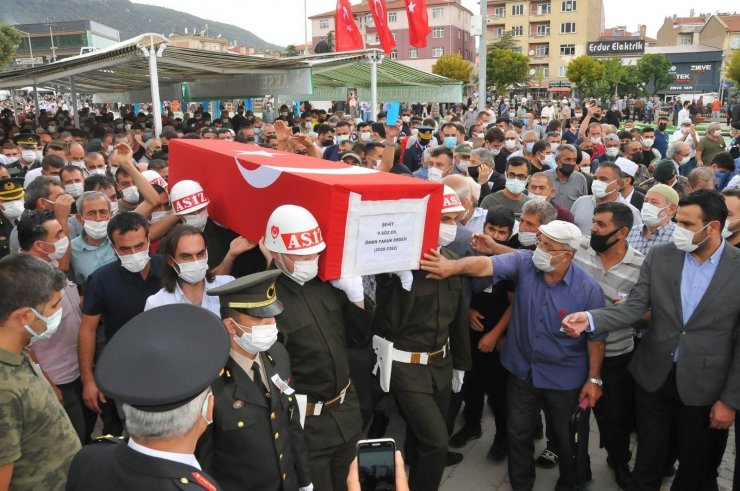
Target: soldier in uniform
160, 366
318, 324
256, 440
427, 323
11, 208
29, 159
412, 155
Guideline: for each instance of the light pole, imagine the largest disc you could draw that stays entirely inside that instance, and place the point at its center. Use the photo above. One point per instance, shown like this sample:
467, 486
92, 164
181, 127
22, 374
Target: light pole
30, 48
49, 21
482, 54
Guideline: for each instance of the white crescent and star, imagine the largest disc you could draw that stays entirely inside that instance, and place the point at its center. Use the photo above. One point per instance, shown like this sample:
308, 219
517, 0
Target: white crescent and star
412, 6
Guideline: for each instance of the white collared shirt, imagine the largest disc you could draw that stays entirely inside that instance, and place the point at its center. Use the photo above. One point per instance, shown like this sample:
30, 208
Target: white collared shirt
163, 297
183, 458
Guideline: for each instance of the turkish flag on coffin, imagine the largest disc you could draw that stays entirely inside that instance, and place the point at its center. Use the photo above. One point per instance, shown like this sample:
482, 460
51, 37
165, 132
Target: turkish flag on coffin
418, 22
346, 35
380, 16
372, 222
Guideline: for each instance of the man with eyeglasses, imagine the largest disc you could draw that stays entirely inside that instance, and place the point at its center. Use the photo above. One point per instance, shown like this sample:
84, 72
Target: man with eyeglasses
512, 197
548, 287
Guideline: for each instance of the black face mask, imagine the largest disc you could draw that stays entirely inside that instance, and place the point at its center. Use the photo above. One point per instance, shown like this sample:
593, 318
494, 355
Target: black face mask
599, 242
636, 157
662, 127
474, 173
327, 143
567, 170
424, 141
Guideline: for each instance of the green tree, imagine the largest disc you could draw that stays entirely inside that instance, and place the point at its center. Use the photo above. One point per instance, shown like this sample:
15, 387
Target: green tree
506, 67
732, 68
584, 72
506, 41
291, 50
330, 40
10, 38
453, 66
655, 71
615, 74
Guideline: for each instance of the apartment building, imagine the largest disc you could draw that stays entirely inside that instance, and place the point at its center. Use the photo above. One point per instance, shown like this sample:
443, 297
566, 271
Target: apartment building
550, 32
448, 19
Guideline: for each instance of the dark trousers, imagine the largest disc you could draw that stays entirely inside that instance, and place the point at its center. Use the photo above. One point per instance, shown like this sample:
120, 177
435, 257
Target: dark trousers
614, 410
487, 377
525, 402
426, 435
736, 480
329, 465
83, 420
658, 414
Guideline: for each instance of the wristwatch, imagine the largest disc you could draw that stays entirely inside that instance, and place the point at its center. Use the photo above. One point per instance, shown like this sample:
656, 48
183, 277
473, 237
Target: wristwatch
596, 381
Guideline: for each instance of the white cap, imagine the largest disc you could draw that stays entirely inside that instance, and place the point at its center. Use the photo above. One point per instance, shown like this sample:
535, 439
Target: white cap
686, 121
154, 178
292, 229
451, 202
187, 196
627, 166
563, 232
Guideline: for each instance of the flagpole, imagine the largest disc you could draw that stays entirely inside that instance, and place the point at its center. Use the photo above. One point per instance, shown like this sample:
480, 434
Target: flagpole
374, 83
482, 55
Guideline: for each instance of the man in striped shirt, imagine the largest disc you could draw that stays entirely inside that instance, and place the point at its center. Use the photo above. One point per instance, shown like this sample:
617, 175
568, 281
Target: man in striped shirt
608, 257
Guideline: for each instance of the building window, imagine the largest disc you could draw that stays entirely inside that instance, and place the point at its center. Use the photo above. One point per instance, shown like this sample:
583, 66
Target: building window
543, 30
561, 71
567, 49
394, 54
392, 17
543, 9
543, 71
324, 24
394, 35
413, 53
518, 49
437, 52
684, 39
567, 27
498, 32
438, 33
541, 51
517, 10
438, 13
499, 12
568, 6
517, 30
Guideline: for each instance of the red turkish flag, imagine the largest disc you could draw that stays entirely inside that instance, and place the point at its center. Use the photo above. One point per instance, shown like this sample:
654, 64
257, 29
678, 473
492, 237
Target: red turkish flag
418, 22
380, 16
346, 35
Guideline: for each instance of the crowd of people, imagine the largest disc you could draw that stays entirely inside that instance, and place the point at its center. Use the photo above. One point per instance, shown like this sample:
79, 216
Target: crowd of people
586, 256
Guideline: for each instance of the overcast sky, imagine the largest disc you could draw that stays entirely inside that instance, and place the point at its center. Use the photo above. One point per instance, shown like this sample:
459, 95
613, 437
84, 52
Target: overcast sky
281, 21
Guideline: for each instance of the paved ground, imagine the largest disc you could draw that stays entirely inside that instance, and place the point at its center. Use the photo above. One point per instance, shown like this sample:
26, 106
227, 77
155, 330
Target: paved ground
476, 473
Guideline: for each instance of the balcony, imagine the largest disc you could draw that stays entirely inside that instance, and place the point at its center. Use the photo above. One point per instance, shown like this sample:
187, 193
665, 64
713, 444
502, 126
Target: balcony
540, 9
493, 19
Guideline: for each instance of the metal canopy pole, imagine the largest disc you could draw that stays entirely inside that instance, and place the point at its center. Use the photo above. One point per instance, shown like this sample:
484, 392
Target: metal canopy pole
152, 54
73, 89
375, 58
36, 95
482, 53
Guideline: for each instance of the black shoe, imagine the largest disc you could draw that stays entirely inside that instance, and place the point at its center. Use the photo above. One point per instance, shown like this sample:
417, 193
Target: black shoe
453, 458
547, 459
463, 436
498, 450
623, 475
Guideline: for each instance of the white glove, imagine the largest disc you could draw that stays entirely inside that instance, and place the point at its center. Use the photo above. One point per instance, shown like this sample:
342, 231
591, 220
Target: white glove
407, 279
457, 380
352, 287
309, 487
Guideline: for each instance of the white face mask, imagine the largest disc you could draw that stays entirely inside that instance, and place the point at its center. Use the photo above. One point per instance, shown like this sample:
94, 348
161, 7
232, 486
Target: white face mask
510, 144
595, 140
197, 220
366, 137
447, 233
685, 160
543, 261
612, 151
60, 248
114, 208
435, 175
192, 272
405, 119
650, 214
159, 215
648, 142
527, 239
97, 171
75, 189
28, 155
414, 131
463, 165
599, 188
303, 271
515, 186
135, 263
342, 138
495, 151
96, 230
537, 197
684, 239
684, 129
131, 194
77, 163
726, 232
260, 339
13, 209
52, 324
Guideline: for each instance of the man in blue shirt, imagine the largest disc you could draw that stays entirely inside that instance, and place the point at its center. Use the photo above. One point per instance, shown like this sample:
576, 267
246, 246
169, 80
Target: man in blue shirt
545, 367
661, 137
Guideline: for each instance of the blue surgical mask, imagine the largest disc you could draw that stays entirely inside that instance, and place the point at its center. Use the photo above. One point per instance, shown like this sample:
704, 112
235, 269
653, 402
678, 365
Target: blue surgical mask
530, 146
450, 141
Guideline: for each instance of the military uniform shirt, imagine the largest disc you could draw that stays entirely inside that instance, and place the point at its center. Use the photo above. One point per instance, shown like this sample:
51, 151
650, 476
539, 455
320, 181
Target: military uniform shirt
36, 435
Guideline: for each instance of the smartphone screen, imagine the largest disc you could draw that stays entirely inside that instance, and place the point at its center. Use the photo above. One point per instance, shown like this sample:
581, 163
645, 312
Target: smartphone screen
392, 114
377, 466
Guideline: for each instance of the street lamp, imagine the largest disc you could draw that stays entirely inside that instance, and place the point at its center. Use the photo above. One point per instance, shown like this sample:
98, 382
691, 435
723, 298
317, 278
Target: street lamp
49, 21
30, 48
